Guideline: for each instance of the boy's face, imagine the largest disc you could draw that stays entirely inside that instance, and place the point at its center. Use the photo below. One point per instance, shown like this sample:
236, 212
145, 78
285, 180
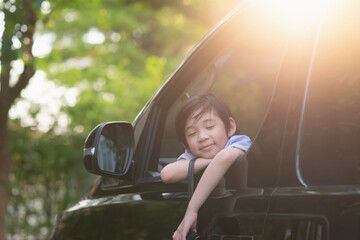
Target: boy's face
207, 135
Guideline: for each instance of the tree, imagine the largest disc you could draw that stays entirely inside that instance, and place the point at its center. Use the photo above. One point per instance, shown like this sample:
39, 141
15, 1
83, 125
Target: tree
19, 26
20, 19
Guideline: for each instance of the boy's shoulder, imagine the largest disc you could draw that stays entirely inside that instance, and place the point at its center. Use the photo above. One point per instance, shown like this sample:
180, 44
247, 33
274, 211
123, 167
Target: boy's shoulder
242, 142
238, 138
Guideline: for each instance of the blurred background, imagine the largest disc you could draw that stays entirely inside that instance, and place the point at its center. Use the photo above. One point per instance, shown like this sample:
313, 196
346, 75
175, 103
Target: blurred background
66, 66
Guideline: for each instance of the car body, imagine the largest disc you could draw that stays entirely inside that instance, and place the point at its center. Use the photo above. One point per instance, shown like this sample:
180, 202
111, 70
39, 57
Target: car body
289, 71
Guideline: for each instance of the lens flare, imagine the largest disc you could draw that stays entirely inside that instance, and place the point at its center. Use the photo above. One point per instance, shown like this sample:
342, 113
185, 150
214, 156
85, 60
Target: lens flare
297, 13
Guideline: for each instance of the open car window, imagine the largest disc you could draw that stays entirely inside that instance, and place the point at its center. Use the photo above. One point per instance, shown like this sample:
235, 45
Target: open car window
244, 76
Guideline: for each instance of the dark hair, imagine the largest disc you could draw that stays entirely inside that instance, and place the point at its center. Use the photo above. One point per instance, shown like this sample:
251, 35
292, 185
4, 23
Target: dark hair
205, 102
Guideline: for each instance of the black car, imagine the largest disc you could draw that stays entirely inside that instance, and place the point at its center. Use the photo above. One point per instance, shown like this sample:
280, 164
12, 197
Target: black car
290, 73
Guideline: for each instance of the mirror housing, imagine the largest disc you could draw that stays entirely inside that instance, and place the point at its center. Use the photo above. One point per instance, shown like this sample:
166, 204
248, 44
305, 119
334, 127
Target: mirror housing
109, 148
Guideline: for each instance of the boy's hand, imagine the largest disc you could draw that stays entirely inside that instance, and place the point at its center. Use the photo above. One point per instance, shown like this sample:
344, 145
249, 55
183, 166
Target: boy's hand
187, 224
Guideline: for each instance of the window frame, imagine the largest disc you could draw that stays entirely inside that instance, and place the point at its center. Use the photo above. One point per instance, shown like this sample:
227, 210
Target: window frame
178, 83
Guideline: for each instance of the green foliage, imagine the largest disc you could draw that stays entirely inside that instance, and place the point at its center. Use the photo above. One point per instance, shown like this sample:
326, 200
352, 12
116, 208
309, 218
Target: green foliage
43, 179
120, 73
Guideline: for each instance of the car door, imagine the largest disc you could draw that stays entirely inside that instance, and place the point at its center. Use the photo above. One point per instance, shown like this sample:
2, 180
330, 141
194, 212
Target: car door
319, 188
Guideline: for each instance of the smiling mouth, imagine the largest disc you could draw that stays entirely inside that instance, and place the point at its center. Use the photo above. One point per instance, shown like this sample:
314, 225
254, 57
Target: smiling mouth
207, 147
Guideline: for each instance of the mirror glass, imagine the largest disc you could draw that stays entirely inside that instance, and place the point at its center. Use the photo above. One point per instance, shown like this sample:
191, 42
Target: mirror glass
113, 148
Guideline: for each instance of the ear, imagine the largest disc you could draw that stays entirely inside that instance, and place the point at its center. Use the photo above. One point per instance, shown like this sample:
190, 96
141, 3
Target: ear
232, 127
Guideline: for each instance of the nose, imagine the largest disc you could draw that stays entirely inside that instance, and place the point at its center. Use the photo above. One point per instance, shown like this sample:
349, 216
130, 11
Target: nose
202, 135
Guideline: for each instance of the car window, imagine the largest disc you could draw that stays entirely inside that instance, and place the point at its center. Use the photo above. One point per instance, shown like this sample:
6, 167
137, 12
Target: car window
330, 134
243, 75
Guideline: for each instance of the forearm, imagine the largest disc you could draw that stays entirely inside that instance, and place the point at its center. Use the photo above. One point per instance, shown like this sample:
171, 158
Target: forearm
212, 175
178, 171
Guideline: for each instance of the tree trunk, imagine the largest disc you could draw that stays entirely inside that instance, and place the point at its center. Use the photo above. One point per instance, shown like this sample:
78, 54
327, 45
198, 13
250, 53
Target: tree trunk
5, 155
5, 164
7, 98
8, 95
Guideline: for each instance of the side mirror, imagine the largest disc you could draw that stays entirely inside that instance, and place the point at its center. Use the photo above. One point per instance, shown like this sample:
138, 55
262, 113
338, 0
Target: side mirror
109, 149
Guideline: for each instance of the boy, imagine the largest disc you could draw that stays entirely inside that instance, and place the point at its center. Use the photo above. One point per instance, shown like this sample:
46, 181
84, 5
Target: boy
206, 128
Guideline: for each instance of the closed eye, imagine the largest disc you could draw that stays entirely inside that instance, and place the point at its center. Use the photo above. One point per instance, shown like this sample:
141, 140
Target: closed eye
191, 134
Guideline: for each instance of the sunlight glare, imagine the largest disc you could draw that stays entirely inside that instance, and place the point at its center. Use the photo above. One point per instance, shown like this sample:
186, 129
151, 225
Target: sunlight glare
94, 36
49, 98
43, 44
297, 12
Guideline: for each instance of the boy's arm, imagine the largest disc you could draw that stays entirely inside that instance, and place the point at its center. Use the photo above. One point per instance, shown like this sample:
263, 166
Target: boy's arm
213, 174
178, 171
210, 178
